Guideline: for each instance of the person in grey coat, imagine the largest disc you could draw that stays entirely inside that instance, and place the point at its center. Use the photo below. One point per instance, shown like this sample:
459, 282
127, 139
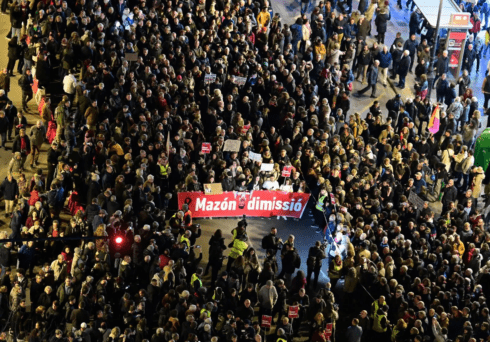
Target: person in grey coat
37, 135
372, 77
267, 298
354, 332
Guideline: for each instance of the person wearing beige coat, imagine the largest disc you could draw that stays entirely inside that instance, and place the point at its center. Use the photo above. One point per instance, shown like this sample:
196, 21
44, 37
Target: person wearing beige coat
478, 178
446, 157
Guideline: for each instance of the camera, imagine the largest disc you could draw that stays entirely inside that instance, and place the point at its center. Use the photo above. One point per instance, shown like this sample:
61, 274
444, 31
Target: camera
197, 246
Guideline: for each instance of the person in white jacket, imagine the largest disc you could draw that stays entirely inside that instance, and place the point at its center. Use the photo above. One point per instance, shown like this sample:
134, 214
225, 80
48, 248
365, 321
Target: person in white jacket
69, 84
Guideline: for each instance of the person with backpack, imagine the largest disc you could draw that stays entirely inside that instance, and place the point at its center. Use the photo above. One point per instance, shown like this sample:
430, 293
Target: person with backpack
314, 263
271, 242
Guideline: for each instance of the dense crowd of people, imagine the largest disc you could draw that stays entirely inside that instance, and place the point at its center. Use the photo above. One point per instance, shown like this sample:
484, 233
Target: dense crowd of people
100, 251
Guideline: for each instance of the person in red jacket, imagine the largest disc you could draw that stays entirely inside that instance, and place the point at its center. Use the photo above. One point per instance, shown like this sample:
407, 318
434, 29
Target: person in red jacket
34, 197
475, 21
164, 259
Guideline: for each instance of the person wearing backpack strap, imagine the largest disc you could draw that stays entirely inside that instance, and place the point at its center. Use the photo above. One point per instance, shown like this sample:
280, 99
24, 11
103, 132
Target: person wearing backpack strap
271, 242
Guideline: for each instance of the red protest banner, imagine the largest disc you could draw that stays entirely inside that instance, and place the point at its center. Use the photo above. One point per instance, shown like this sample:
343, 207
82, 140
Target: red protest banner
206, 148
260, 203
293, 311
266, 321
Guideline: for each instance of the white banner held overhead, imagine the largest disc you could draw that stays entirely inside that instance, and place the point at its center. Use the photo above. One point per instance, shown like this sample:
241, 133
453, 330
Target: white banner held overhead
255, 156
267, 167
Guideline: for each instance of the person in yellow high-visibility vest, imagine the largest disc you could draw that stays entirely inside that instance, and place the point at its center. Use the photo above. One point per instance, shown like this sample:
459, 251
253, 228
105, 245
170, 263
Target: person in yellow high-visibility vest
238, 247
185, 238
380, 324
165, 171
335, 270
281, 335
207, 309
318, 211
400, 327
377, 304
196, 281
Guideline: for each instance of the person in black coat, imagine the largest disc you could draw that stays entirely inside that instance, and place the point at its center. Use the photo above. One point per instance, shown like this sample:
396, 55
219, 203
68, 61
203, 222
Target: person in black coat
411, 45
441, 66
450, 94
469, 58
13, 54
450, 195
5, 254
80, 315
42, 71
414, 22
4, 127
11, 113
16, 223
290, 262
10, 190
93, 188
314, 263
381, 22
403, 68
216, 248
